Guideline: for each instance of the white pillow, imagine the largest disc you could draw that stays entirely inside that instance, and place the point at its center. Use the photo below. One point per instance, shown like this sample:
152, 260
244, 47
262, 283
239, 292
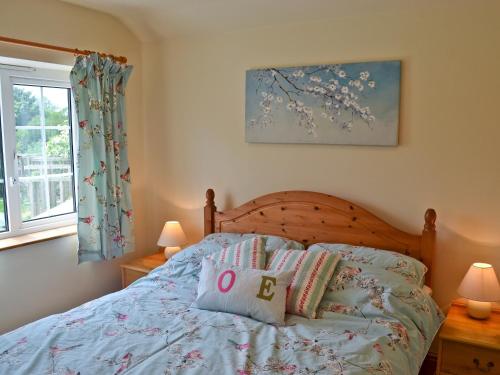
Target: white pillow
258, 294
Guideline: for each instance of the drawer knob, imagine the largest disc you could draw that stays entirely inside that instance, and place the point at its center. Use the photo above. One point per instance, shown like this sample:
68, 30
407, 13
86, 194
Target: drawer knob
488, 367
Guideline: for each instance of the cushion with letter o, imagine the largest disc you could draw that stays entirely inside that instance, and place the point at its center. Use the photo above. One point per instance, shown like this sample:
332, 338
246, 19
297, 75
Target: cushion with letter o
258, 294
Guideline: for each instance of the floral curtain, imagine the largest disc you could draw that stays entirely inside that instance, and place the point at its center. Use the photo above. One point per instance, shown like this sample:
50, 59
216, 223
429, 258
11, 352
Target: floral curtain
105, 228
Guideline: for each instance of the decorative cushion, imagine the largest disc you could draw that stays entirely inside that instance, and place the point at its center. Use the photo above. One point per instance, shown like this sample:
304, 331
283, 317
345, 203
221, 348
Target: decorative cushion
258, 294
245, 254
313, 271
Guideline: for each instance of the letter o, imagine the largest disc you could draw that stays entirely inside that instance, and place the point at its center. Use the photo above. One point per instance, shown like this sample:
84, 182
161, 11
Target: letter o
231, 282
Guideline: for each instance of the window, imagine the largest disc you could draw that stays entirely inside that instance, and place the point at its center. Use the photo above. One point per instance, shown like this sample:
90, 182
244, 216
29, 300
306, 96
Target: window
37, 181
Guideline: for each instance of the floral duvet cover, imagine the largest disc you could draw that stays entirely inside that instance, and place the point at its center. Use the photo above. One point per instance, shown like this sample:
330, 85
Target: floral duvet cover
150, 328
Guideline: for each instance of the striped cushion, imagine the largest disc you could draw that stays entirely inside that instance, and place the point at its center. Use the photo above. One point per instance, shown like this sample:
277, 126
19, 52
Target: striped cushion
246, 254
313, 271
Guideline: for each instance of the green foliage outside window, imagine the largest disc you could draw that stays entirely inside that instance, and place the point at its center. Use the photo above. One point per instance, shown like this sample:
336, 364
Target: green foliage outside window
27, 112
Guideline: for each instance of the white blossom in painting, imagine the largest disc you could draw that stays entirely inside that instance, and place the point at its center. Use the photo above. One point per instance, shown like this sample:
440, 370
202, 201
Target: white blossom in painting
338, 104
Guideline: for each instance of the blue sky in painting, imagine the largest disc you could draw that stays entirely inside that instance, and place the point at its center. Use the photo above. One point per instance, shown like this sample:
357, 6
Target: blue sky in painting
366, 113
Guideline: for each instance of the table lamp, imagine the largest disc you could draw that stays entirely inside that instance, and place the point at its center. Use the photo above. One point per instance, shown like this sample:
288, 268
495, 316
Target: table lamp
480, 287
172, 237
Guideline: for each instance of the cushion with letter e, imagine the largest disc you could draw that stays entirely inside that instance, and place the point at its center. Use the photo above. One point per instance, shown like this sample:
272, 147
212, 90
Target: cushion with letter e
258, 294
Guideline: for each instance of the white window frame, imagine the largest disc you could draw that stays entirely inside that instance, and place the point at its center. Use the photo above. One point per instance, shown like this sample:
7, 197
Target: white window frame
29, 73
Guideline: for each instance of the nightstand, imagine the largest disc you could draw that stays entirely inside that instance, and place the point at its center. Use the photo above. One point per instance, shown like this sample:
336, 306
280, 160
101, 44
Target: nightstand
140, 267
469, 346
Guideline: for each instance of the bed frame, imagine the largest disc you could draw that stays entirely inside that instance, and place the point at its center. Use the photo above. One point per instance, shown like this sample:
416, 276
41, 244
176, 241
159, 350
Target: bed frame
310, 217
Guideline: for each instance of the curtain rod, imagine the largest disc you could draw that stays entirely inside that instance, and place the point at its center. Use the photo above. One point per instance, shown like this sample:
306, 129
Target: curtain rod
119, 59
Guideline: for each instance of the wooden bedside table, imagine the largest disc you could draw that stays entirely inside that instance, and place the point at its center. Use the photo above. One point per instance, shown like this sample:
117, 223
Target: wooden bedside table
140, 267
469, 346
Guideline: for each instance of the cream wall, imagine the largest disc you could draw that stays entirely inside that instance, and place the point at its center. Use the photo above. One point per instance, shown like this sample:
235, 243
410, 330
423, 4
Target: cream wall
449, 135
42, 279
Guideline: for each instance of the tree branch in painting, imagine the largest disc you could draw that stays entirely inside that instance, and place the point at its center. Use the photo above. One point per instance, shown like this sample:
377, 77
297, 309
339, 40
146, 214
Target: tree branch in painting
327, 87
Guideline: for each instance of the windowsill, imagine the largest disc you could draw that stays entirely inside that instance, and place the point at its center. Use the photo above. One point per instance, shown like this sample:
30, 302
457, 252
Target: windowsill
28, 239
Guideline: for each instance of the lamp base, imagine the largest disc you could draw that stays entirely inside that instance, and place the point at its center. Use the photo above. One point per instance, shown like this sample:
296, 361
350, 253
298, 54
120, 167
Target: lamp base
171, 251
478, 310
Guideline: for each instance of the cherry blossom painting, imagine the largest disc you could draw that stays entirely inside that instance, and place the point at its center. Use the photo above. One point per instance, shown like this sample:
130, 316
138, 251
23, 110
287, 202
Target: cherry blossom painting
348, 104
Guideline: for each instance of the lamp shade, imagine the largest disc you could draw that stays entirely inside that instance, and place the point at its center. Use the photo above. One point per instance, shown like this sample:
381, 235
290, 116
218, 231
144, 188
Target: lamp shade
480, 283
172, 235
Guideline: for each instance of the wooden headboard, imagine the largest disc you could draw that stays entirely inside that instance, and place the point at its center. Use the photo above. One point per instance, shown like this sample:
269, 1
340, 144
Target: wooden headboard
310, 217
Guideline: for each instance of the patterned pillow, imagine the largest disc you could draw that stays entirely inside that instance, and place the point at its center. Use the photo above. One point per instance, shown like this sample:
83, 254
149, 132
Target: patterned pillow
407, 267
313, 271
272, 242
258, 294
245, 254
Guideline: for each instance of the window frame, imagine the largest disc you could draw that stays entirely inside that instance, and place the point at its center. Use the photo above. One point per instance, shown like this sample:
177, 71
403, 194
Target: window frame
57, 77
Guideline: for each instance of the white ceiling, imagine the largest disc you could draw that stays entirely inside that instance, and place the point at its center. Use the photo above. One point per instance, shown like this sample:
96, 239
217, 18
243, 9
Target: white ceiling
152, 19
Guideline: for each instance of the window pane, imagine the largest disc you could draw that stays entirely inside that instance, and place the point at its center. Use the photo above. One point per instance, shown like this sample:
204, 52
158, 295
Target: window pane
3, 209
33, 200
29, 152
44, 152
58, 151
27, 100
3, 205
55, 103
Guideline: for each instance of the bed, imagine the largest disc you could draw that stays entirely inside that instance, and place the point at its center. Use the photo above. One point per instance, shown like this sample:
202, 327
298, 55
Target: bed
151, 328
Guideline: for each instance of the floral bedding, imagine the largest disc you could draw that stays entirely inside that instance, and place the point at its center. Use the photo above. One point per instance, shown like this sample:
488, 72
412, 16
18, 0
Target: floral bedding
150, 328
